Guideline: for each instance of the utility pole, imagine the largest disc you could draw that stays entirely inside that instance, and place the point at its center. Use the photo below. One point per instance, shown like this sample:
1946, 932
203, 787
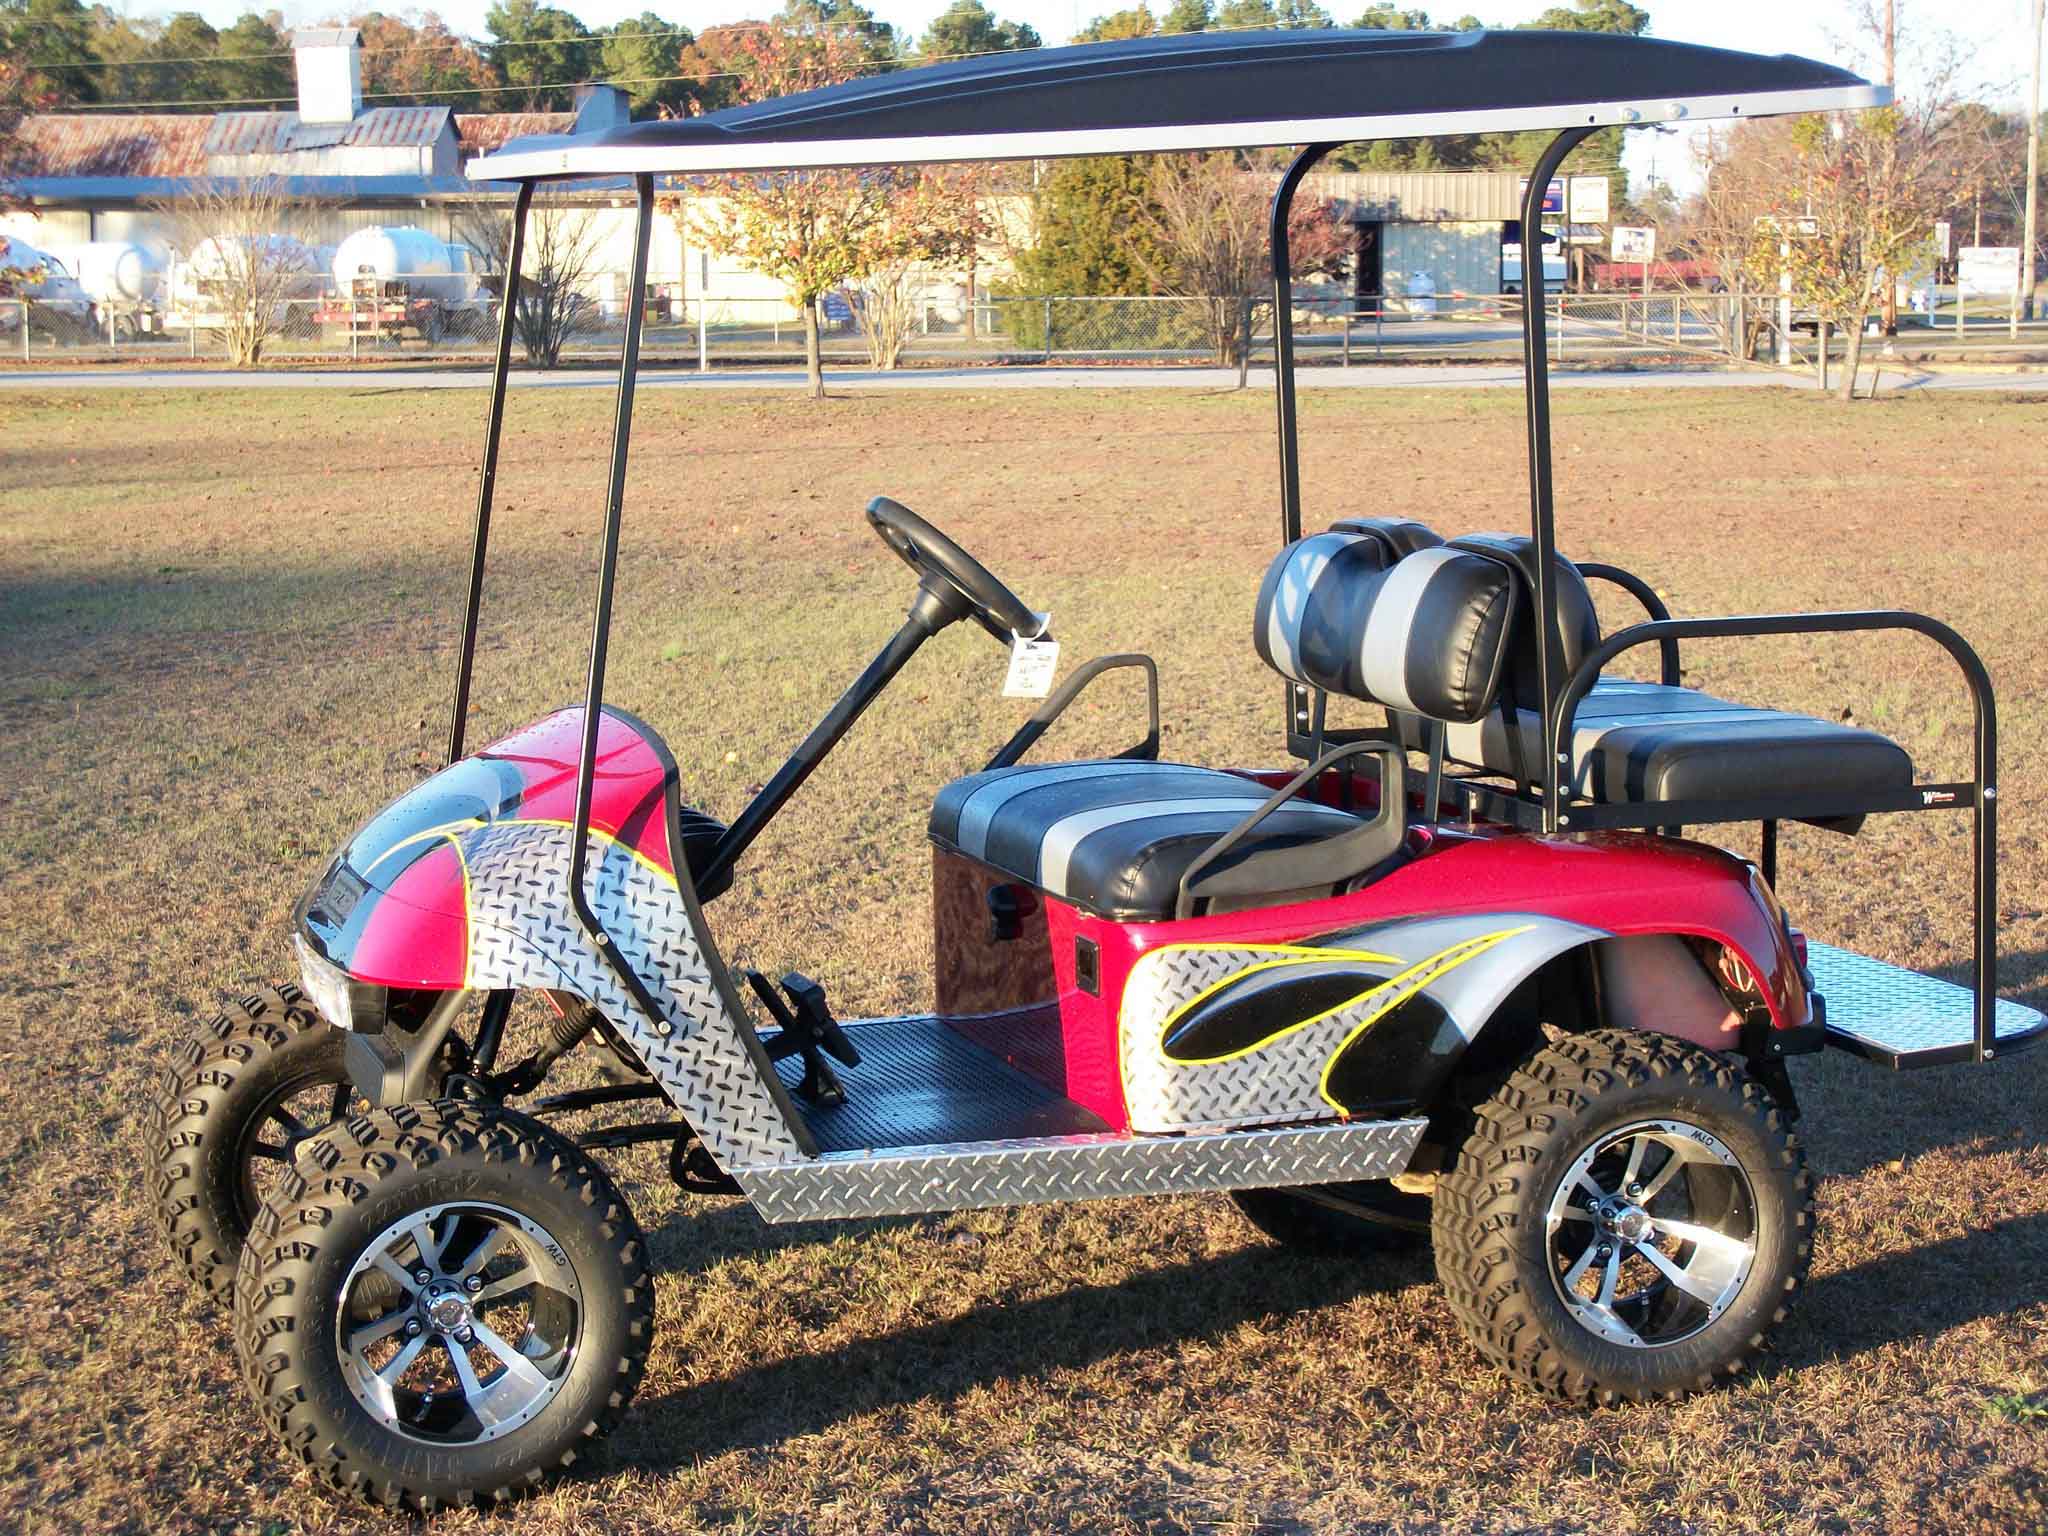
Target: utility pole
2033, 168
1891, 38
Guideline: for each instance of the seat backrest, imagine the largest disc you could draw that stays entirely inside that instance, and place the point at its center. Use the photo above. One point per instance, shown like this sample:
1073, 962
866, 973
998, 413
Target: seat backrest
1577, 621
1425, 634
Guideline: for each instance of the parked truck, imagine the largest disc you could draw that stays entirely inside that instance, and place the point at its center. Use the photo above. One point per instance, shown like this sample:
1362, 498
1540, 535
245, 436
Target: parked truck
393, 282
36, 286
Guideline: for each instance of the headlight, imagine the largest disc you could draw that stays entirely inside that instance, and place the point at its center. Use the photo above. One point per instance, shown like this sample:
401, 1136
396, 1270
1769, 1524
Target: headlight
325, 983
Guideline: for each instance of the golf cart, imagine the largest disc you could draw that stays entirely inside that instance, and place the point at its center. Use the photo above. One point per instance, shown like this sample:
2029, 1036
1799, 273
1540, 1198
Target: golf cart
1456, 969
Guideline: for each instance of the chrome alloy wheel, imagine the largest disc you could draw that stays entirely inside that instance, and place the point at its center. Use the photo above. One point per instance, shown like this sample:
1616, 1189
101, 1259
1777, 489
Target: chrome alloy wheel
458, 1323
1652, 1232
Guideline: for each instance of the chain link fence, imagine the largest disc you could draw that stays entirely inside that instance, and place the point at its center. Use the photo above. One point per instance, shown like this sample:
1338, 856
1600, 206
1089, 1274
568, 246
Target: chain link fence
683, 328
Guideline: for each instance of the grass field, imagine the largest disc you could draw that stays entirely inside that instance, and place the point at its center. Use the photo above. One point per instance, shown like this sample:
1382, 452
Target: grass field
226, 635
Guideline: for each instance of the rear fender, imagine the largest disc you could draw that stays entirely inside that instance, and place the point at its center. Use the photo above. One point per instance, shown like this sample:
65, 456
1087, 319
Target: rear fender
1239, 1019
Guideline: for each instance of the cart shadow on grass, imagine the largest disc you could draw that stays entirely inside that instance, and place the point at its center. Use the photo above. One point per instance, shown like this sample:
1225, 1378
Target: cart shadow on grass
1904, 1295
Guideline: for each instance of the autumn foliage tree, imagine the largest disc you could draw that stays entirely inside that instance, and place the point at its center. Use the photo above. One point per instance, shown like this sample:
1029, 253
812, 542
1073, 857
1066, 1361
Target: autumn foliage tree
815, 231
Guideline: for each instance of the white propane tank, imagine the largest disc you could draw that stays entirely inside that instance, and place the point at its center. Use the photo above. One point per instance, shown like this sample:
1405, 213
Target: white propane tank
401, 254
114, 271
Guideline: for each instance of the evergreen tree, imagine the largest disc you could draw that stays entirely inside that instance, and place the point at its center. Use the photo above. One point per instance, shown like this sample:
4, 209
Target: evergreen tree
1089, 236
643, 54
255, 63
539, 55
1138, 21
968, 27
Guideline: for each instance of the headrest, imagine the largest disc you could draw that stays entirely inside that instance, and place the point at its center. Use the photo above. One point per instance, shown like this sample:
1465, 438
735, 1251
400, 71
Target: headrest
1398, 536
1425, 634
1578, 622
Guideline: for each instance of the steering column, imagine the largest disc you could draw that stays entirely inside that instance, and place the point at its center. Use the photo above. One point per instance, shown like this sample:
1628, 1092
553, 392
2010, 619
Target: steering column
952, 585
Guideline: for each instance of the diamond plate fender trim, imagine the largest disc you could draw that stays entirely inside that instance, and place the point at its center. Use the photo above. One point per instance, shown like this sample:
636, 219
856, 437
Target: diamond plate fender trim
1467, 963
907, 1181
523, 934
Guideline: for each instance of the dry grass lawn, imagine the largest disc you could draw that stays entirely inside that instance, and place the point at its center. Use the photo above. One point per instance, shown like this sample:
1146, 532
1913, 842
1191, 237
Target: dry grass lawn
226, 632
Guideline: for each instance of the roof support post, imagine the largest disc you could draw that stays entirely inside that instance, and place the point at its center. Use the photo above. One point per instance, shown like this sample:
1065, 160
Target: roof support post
1543, 530
1283, 339
600, 633
487, 484
1296, 721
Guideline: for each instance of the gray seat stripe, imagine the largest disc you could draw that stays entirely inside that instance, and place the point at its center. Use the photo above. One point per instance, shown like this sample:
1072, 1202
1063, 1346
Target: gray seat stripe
979, 809
1383, 649
1291, 597
1064, 836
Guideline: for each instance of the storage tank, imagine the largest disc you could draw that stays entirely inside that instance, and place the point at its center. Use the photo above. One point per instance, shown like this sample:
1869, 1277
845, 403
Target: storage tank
114, 271
393, 254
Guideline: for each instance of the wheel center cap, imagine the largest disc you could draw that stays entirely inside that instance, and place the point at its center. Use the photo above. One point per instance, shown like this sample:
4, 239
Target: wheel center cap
445, 1309
1633, 1224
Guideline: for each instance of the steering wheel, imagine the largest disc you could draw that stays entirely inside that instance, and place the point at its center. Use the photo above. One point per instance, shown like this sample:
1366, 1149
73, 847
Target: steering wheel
948, 570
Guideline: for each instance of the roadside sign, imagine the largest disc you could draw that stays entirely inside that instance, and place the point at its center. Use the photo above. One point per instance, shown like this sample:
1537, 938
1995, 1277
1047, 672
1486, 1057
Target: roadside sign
1943, 239
1553, 194
1634, 242
1988, 271
1588, 197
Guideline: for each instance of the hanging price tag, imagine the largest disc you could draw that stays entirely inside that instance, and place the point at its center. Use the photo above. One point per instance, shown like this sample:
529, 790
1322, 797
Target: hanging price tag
1032, 665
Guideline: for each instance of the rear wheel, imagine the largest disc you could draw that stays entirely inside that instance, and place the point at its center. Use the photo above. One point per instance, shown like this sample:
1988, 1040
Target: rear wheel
443, 1303
242, 1094
1628, 1219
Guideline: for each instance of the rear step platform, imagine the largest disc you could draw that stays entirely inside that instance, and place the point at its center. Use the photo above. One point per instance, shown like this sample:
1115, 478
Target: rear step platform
1900, 1018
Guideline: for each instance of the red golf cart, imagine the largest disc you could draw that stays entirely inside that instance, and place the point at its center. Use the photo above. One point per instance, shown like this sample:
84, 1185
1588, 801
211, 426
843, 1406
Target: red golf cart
1459, 970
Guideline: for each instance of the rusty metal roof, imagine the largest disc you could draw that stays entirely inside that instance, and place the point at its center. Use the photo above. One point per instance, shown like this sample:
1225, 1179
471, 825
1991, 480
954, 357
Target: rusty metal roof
280, 133
481, 133
115, 144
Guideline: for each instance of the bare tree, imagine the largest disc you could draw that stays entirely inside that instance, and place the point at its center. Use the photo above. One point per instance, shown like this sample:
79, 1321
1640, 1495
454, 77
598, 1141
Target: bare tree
1207, 216
934, 220
245, 268
1721, 222
562, 256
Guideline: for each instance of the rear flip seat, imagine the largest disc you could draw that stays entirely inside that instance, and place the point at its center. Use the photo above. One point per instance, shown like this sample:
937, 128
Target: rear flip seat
1632, 742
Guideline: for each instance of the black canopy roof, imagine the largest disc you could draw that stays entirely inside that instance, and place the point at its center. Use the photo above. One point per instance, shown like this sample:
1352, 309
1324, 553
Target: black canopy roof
1208, 90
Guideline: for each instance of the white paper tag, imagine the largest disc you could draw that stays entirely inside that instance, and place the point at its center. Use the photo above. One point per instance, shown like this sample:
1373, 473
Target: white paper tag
1032, 665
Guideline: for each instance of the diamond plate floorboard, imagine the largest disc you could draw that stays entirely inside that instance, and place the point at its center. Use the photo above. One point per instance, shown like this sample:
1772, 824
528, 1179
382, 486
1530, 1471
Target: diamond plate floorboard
920, 1083
1903, 1018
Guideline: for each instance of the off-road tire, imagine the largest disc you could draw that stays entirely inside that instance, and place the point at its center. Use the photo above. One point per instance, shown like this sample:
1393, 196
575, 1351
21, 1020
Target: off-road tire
1306, 1227
348, 1184
1492, 1252
219, 1081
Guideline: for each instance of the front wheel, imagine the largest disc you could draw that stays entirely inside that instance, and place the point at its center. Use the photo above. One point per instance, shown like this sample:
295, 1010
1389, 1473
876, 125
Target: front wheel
443, 1304
1629, 1219
230, 1112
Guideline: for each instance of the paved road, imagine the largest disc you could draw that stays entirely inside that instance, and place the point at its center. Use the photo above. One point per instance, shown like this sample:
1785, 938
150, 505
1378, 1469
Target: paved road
1468, 376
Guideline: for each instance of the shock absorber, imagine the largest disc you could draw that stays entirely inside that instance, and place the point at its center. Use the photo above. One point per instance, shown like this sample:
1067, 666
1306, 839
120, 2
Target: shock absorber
573, 1020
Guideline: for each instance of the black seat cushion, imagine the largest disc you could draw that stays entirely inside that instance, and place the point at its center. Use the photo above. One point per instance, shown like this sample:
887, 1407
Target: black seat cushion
1634, 742
1115, 837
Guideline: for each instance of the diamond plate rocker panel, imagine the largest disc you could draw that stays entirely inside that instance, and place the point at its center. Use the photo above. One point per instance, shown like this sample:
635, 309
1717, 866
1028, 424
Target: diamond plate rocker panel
912, 1180
522, 933
1895, 1014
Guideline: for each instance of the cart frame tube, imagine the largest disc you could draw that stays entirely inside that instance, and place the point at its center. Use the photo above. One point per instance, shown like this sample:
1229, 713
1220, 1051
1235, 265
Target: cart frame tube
487, 486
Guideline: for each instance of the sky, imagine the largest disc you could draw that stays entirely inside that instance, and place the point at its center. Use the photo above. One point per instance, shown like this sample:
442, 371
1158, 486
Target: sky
1991, 35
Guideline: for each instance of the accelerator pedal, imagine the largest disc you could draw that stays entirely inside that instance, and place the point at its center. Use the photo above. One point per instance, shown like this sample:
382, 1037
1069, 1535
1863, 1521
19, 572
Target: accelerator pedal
807, 1027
